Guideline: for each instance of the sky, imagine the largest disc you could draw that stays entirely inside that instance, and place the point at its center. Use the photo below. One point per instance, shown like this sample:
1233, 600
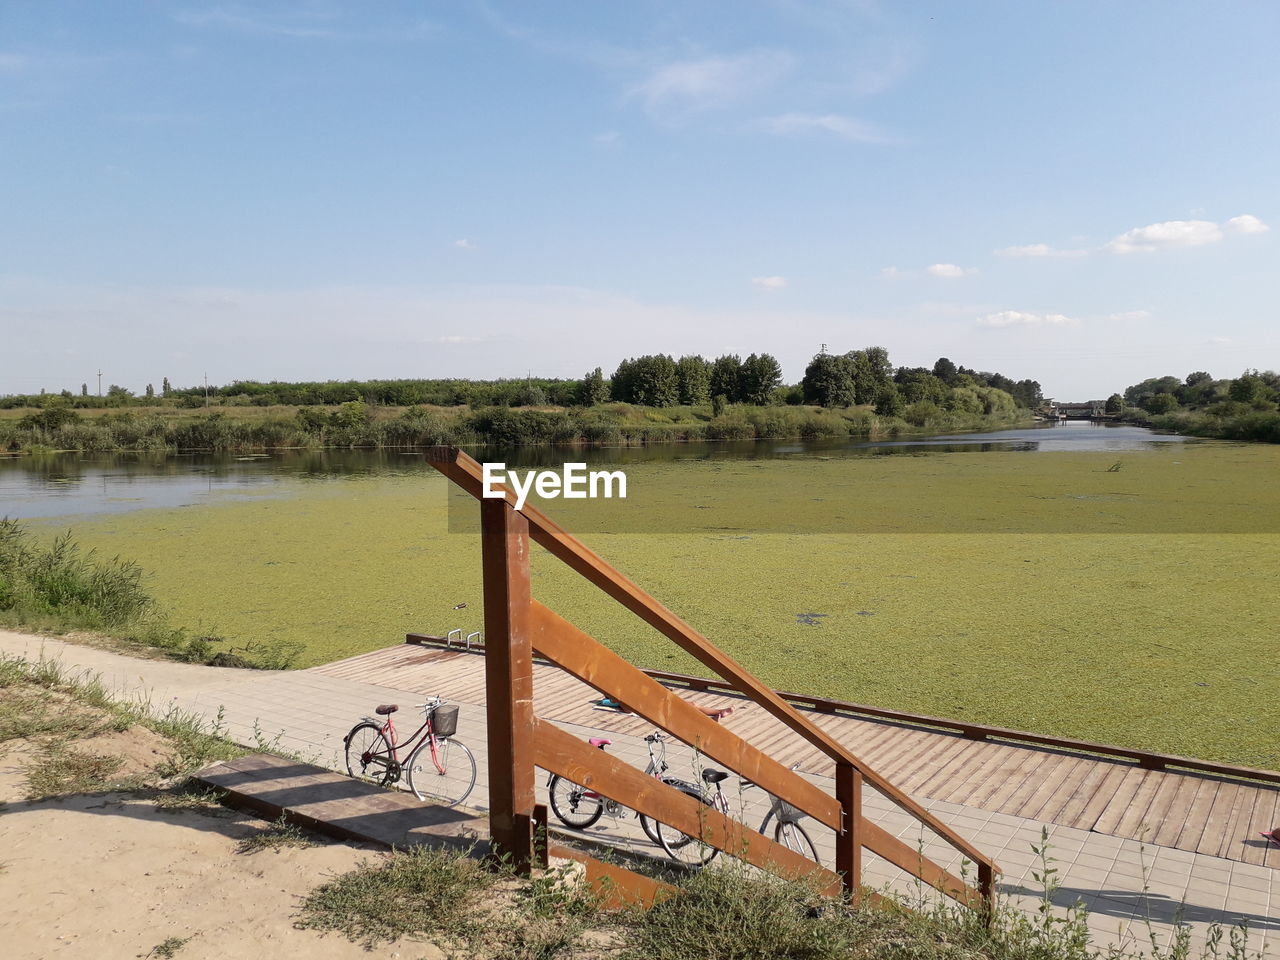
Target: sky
1083, 193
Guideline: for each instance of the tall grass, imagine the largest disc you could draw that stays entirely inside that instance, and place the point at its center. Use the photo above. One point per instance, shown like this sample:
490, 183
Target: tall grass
62, 587
355, 425
65, 582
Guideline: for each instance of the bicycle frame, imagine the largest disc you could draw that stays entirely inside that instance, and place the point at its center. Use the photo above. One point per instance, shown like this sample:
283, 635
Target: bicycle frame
388, 728
656, 768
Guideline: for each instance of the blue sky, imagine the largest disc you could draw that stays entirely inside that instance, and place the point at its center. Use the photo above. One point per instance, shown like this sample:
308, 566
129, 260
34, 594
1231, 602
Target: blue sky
1083, 193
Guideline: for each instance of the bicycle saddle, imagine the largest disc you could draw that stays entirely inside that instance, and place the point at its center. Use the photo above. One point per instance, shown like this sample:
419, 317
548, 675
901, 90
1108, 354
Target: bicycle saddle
600, 742
386, 709
714, 776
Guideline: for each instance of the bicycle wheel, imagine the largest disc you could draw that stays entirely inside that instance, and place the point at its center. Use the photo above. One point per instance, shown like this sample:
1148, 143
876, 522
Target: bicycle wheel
447, 782
369, 754
681, 847
575, 806
650, 828
794, 837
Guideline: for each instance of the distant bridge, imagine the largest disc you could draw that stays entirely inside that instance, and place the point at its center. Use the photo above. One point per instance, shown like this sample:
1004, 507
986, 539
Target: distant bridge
1089, 410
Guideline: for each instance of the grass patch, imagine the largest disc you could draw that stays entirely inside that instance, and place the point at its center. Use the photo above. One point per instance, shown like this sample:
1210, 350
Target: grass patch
168, 948
420, 893
277, 836
190, 796
57, 772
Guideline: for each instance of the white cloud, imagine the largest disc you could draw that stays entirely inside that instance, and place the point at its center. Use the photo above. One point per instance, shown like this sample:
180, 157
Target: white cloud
691, 86
458, 339
1245, 223
892, 273
237, 19
1038, 250
1126, 316
769, 283
949, 271
1019, 318
1165, 236
464, 244
846, 128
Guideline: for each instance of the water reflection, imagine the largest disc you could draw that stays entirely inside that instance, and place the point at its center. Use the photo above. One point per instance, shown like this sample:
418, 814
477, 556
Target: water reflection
69, 484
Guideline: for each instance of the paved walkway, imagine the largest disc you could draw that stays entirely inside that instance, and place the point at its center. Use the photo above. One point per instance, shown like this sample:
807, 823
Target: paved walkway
1122, 881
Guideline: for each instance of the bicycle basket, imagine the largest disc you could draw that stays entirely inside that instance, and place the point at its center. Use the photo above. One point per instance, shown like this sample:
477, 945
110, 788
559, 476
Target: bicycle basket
444, 720
789, 814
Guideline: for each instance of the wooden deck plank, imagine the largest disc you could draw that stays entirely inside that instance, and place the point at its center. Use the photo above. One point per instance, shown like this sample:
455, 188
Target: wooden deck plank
1082, 809
1175, 814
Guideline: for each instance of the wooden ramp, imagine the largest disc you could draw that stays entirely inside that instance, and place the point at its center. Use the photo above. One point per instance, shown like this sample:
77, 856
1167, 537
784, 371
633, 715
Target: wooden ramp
338, 806
1205, 814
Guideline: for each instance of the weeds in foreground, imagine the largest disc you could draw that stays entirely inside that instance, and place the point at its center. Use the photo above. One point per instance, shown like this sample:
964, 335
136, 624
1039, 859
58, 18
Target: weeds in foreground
277, 836
168, 948
422, 892
57, 771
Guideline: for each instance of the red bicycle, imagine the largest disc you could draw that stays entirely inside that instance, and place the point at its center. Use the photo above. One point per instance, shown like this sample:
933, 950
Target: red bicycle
438, 767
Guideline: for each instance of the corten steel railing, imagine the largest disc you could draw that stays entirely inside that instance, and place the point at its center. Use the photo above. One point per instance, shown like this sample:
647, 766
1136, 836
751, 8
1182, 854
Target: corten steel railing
516, 626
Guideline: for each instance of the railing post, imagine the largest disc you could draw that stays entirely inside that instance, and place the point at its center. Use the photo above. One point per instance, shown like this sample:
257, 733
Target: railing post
987, 887
504, 537
849, 839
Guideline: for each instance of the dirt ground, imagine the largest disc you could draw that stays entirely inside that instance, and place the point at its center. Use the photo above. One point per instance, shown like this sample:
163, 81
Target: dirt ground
109, 875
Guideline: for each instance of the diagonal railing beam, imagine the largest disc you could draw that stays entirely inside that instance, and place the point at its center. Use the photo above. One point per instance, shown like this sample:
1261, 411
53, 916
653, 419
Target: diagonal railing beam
467, 473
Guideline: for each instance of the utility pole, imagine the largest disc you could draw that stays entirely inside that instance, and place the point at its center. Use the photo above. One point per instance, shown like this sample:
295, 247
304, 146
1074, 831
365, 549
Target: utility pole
823, 351
99, 382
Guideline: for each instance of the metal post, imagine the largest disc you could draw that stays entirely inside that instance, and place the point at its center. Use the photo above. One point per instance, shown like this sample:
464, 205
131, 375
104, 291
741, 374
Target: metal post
504, 536
849, 839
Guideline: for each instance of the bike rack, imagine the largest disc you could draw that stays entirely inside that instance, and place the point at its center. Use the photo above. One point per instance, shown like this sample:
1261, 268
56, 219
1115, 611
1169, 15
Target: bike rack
448, 637
477, 636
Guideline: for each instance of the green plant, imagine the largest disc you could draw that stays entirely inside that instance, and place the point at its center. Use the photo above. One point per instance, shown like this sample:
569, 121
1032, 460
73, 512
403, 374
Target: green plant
169, 947
276, 836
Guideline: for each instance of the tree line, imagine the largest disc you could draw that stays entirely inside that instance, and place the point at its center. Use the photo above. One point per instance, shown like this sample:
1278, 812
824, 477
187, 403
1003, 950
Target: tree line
1246, 407
658, 380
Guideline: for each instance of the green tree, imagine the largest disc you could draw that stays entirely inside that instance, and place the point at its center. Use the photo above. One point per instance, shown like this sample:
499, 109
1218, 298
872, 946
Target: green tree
1246, 389
1161, 403
594, 389
725, 372
165, 389
828, 381
944, 370
759, 375
694, 376
889, 403
649, 380
1115, 404
529, 395
151, 391
84, 389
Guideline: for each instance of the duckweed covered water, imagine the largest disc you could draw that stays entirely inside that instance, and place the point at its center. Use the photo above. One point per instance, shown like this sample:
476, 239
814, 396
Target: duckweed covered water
955, 591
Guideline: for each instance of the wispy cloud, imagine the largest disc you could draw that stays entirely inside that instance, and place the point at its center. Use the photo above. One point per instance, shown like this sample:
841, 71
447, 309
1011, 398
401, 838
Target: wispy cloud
1245, 223
460, 339
300, 25
846, 128
608, 138
1165, 236
1039, 250
769, 283
1128, 316
677, 90
949, 271
464, 244
1154, 237
1020, 318
943, 271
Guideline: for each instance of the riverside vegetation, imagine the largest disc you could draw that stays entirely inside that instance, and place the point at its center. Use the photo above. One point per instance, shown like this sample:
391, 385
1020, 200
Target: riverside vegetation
1246, 408
651, 399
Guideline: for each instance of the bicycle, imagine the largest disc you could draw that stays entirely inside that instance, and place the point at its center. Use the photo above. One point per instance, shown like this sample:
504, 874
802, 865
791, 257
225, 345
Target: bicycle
438, 767
782, 816
580, 808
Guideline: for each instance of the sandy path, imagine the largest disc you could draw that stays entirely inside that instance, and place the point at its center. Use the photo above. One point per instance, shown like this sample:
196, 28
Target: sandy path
110, 876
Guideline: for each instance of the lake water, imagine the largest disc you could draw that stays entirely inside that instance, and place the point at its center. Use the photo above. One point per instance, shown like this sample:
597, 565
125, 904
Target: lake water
67, 485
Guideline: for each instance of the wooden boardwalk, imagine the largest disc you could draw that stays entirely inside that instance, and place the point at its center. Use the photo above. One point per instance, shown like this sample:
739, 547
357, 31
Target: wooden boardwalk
339, 806
1198, 813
